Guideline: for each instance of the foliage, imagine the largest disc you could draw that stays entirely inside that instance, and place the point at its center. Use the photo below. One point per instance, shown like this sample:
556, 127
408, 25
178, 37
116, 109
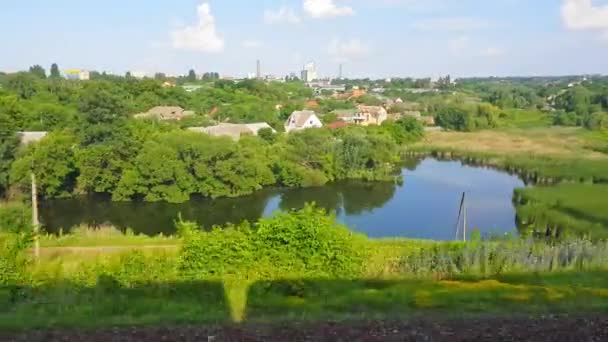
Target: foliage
12, 260
467, 117
302, 242
53, 163
15, 217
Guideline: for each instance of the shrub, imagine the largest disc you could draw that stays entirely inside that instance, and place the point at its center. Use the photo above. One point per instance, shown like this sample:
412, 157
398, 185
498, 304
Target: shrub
12, 259
309, 242
306, 242
219, 252
15, 218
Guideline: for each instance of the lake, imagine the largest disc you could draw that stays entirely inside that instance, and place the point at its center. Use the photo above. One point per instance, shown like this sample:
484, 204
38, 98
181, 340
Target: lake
425, 206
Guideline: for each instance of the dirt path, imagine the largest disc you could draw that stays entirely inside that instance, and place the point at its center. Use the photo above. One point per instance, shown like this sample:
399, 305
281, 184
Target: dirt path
593, 328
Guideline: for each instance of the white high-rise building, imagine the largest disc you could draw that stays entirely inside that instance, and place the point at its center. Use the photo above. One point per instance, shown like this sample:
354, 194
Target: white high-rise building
309, 72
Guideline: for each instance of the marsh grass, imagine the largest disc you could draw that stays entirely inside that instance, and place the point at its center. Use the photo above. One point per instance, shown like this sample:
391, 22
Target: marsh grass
564, 210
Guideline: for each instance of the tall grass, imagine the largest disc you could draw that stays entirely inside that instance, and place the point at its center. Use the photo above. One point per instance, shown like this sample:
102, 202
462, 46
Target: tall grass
494, 258
564, 210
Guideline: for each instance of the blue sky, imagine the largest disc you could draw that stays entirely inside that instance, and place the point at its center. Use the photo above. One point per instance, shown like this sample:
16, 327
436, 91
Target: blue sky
376, 38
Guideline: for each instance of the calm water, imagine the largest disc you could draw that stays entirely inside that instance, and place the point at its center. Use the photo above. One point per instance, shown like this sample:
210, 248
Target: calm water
425, 206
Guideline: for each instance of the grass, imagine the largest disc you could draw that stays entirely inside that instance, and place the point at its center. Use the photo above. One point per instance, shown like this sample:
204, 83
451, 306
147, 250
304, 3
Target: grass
103, 237
211, 302
540, 155
556, 142
521, 118
580, 208
147, 288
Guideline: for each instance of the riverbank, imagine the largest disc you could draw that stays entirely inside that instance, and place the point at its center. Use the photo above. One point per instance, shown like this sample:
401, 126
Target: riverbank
568, 167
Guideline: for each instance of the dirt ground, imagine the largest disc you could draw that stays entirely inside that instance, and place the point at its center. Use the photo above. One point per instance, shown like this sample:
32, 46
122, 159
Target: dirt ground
555, 329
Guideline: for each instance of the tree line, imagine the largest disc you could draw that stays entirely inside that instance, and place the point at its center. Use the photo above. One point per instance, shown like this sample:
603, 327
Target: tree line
96, 146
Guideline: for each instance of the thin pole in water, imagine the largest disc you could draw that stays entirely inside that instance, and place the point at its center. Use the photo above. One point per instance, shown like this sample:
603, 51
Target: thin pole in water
35, 222
464, 220
459, 214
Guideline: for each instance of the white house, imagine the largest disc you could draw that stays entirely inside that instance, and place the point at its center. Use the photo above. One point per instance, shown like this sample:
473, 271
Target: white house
300, 120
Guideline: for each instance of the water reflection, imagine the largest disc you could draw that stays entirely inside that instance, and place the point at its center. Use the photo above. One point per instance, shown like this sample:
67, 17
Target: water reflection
425, 206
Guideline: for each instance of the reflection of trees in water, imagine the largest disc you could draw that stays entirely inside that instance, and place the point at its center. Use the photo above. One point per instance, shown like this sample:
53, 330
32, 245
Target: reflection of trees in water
411, 164
352, 197
151, 218
362, 197
326, 197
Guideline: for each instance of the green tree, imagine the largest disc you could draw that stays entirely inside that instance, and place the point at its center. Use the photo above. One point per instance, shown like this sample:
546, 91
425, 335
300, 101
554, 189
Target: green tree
191, 76
23, 84
38, 71
267, 135
55, 74
8, 146
53, 162
103, 113
597, 121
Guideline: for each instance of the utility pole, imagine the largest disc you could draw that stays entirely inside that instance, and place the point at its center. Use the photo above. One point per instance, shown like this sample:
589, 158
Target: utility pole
35, 223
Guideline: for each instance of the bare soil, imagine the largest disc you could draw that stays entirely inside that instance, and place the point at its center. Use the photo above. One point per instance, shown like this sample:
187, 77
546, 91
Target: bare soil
580, 329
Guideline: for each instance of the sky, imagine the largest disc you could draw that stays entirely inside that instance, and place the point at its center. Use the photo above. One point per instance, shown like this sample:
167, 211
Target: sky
370, 38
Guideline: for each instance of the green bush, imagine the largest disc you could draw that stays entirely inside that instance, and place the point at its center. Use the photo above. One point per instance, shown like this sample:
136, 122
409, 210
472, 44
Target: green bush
306, 242
15, 218
12, 259
219, 252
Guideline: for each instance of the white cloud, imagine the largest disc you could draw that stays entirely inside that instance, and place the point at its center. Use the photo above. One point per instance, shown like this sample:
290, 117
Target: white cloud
201, 36
492, 52
450, 24
252, 44
282, 15
345, 51
320, 9
583, 15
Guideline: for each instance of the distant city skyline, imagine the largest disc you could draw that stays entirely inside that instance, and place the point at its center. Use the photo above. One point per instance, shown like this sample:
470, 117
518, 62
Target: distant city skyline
377, 39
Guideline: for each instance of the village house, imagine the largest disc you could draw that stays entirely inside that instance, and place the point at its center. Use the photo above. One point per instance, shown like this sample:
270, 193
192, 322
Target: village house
363, 115
300, 120
233, 131
165, 113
